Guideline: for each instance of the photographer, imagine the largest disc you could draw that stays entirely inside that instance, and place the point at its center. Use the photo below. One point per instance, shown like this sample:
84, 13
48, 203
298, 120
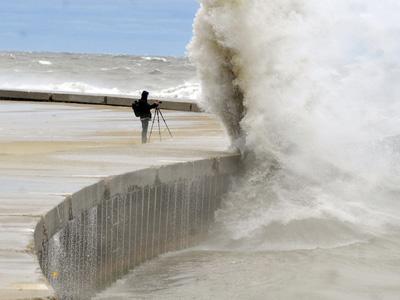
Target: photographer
143, 110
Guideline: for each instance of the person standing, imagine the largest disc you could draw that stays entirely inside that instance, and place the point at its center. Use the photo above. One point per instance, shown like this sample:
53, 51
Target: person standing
144, 111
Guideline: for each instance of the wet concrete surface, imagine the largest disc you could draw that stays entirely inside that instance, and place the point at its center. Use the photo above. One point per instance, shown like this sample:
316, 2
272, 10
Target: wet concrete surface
48, 151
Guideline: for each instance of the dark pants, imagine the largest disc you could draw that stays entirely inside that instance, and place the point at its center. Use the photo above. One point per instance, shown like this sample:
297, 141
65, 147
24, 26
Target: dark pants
145, 126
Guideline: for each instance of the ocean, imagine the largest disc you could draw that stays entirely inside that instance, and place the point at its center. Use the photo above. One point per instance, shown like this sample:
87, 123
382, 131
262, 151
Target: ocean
167, 77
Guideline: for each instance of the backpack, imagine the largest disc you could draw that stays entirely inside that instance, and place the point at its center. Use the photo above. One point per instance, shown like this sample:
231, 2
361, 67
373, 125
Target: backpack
136, 107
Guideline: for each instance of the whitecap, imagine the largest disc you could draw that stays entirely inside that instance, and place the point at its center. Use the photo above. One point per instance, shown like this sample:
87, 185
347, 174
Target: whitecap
154, 58
45, 62
187, 90
116, 69
69, 87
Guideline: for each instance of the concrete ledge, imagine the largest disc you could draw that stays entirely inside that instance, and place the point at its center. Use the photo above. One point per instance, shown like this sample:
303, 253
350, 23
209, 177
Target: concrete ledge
168, 104
78, 98
94, 194
101, 232
119, 101
24, 95
180, 106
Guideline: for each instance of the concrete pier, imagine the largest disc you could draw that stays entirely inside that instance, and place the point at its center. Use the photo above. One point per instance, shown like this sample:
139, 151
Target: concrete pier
48, 151
120, 100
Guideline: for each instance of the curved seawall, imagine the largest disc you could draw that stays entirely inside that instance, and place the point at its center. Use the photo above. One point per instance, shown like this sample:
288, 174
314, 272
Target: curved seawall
101, 232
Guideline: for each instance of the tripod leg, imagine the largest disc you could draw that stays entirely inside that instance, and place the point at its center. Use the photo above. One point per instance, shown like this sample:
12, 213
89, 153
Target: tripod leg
162, 116
151, 130
158, 119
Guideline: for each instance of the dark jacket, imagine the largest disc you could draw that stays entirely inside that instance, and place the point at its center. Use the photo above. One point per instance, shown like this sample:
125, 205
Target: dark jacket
144, 108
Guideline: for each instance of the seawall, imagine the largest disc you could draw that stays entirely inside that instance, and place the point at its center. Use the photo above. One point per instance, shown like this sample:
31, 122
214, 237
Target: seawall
100, 233
46, 96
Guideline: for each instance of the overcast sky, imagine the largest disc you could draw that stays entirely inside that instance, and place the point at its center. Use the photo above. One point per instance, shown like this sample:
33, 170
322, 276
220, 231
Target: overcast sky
153, 27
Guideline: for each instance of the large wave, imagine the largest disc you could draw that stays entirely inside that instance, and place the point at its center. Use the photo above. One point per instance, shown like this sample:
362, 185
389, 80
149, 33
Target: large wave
308, 91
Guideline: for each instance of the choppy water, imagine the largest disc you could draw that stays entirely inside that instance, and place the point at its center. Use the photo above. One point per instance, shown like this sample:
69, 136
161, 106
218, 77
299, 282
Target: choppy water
169, 77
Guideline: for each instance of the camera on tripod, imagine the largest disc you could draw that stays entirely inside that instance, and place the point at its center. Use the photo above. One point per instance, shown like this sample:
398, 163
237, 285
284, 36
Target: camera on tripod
157, 115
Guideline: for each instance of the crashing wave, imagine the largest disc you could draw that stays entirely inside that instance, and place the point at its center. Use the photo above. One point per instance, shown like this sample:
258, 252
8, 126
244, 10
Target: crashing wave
307, 90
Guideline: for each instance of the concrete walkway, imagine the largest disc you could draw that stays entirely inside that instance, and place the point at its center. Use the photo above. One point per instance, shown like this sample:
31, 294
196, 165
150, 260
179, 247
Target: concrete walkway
48, 151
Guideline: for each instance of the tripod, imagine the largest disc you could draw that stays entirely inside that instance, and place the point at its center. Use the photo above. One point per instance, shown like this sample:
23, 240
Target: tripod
157, 115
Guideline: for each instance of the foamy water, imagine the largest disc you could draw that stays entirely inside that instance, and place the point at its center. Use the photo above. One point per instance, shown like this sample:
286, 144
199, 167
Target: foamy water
167, 77
308, 91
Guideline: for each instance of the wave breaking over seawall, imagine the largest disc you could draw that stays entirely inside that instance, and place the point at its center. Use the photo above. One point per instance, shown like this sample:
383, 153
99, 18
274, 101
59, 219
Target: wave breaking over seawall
308, 91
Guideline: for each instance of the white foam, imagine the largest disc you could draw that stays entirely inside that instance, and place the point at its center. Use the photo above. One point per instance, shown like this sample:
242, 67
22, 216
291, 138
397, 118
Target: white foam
188, 90
45, 62
116, 69
309, 91
154, 58
74, 87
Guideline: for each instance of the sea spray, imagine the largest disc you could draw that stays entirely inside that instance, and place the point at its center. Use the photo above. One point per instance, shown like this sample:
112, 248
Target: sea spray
308, 91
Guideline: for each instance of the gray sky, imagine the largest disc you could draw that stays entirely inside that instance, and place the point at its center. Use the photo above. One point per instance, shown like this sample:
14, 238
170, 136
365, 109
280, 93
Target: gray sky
153, 27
